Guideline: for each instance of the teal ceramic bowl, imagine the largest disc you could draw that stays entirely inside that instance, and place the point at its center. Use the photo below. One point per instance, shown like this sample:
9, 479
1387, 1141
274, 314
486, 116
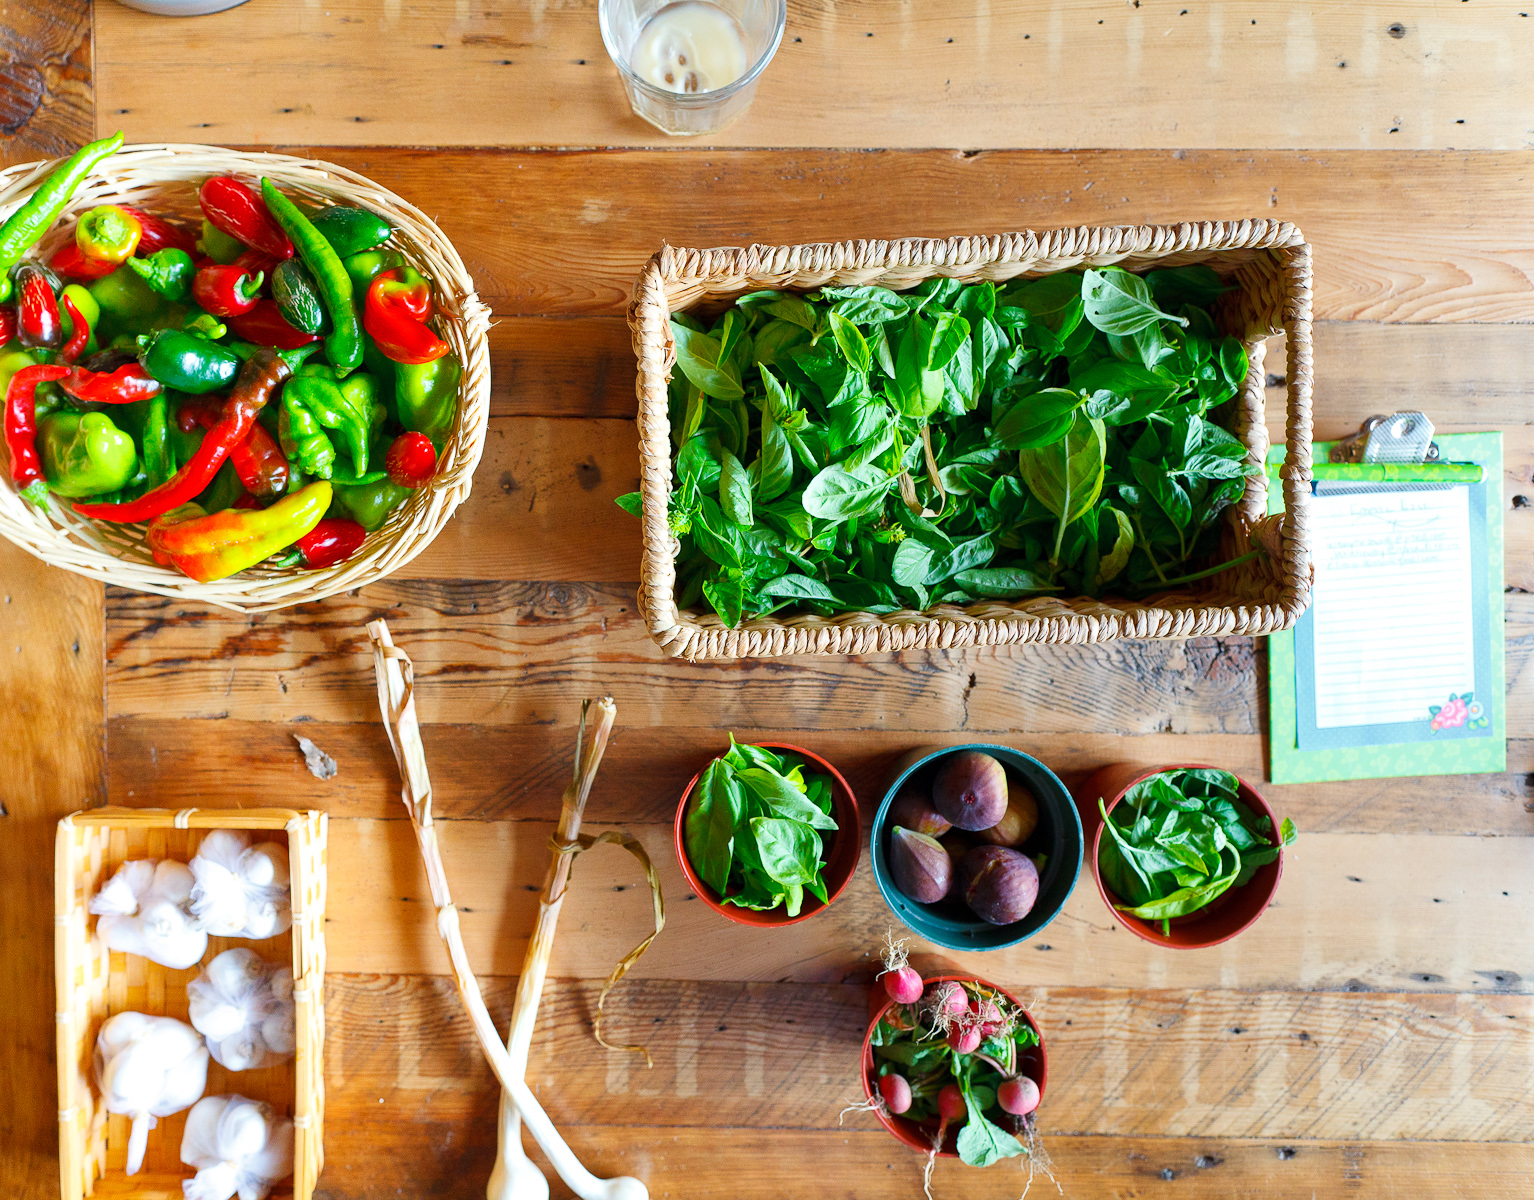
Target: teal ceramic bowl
951, 924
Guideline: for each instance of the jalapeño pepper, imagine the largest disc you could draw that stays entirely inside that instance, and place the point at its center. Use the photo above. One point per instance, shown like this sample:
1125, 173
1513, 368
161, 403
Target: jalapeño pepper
189, 363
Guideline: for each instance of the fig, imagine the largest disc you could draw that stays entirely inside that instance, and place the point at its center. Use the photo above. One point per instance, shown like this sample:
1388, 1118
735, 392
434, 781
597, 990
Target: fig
1000, 885
970, 790
1018, 822
920, 866
912, 810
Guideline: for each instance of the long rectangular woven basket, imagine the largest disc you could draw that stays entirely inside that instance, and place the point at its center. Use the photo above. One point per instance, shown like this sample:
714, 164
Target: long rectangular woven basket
1268, 262
93, 983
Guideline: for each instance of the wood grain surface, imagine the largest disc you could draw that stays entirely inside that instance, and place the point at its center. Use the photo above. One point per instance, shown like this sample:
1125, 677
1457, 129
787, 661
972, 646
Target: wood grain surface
1161, 73
1370, 1037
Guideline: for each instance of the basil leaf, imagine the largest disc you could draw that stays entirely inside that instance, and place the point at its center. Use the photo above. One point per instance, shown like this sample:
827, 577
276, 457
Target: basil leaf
950, 332
728, 596
789, 850
1054, 303
837, 494
918, 389
797, 587
699, 357
960, 558
773, 470
866, 305
1173, 287
911, 563
1116, 301
782, 799
735, 489
852, 343
631, 503
1067, 476
708, 830
1037, 420
1165, 490
775, 340
1003, 583
696, 460
1117, 558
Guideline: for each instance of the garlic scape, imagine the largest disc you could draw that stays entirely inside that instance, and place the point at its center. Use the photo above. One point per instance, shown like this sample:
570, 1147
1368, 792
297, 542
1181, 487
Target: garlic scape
239, 1146
148, 1067
241, 890
243, 1005
145, 909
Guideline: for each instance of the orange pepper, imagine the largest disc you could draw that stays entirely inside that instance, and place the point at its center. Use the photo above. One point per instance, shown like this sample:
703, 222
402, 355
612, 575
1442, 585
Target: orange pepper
209, 546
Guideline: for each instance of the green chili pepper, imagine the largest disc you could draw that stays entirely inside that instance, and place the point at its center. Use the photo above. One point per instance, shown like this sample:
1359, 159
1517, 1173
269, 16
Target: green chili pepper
84, 454
127, 303
304, 440
154, 440
168, 272
225, 489
221, 247
427, 396
369, 504
189, 363
24, 227
297, 298
347, 412
343, 344
82, 299
203, 324
361, 268
351, 230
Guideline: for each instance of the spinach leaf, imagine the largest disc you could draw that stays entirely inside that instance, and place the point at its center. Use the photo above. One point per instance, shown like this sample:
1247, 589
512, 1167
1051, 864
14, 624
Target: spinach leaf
1116, 301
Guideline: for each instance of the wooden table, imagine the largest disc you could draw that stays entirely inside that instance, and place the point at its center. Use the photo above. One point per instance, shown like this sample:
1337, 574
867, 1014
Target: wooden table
1373, 1036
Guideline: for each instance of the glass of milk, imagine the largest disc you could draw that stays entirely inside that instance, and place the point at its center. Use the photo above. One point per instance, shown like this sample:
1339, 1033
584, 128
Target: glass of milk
691, 66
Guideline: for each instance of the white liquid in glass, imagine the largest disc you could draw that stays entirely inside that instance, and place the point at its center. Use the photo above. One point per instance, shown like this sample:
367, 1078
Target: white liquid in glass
690, 47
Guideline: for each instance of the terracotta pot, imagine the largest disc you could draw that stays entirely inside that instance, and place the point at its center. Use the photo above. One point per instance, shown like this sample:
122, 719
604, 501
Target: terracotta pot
1233, 911
841, 849
1032, 1062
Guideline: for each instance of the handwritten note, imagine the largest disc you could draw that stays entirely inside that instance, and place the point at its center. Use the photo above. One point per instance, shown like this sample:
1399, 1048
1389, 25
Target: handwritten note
1394, 627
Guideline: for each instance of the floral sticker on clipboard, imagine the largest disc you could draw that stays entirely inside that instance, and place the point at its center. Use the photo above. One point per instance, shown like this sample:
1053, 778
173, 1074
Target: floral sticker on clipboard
1458, 712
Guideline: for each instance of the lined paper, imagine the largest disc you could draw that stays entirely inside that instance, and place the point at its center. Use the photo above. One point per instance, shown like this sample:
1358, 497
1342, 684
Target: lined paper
1394, 627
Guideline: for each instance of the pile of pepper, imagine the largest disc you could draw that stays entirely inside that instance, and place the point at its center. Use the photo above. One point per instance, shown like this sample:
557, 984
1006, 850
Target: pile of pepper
266, 392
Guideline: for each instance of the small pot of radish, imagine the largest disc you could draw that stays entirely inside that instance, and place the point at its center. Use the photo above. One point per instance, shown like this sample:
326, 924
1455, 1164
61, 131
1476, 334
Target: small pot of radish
958, 1072
768, 834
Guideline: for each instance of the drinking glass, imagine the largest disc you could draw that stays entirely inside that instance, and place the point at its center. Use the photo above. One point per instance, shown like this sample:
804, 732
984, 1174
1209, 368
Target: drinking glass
691, 113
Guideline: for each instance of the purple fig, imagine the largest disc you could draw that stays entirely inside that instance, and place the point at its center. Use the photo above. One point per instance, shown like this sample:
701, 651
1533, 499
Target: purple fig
921, 867
970, 790
1018, 822
1000, 885
911, 810
957, 845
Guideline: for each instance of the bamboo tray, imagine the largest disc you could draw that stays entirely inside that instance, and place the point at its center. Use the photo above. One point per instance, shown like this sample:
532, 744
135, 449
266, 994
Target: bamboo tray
93, 983
1267, 261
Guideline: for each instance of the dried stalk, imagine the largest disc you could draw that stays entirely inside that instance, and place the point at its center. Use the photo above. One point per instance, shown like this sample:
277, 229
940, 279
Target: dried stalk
397, 701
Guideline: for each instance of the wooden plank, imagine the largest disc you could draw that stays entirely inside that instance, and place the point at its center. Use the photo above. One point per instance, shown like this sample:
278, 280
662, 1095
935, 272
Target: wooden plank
377, 1161
856, 73
517, 772
1210, 1064
1469, 377
51, 692
47, 105
503, 653
1392, 911
1428, 236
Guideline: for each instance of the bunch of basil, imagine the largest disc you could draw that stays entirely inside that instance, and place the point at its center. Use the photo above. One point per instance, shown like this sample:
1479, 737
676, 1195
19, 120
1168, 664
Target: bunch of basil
752, 825
1180, 839
863, 449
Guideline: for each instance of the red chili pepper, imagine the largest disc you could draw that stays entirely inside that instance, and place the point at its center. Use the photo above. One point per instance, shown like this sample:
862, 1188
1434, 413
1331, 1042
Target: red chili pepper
70, 263
265, 326
21, 430
226, 291
38, 308
160, 233
241, 213
258, 460
394, 317
126, 385
332, 541
7, 323
75, 346
254, 261
261, 375
411, 460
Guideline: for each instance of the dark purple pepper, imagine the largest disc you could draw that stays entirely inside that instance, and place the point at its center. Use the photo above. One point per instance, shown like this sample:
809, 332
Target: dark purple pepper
39, 326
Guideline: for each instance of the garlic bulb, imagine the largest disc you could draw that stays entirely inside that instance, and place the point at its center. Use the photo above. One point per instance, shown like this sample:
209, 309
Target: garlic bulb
241, 890
238, 1145
145, 910
243, 1005
148, 1067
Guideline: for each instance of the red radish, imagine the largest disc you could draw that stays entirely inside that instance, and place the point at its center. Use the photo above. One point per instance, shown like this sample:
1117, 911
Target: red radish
988, 1017
897, 1092
1018, 1096
903, 985
945, 1001
950, 1103
964, 1038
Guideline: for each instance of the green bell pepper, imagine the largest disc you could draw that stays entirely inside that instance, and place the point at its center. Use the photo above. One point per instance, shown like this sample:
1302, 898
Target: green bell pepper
427, 396
126, 302
168, 272
189, 363
351, 230
369, 504
221, 247
84, 454
363, 267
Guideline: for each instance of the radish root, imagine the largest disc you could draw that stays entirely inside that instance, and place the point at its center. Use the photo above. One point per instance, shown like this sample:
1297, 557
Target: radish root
1035, 1158
894, 954
876, 1105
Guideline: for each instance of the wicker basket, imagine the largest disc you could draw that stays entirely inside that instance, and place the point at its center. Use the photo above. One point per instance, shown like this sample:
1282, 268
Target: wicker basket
1268, 261
164, 179
93, 983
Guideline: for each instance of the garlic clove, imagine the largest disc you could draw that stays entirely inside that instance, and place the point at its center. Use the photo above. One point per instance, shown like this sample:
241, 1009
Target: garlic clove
280, 1031
218, 1020
241, 1050
282, 984
265, 865
119, 896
